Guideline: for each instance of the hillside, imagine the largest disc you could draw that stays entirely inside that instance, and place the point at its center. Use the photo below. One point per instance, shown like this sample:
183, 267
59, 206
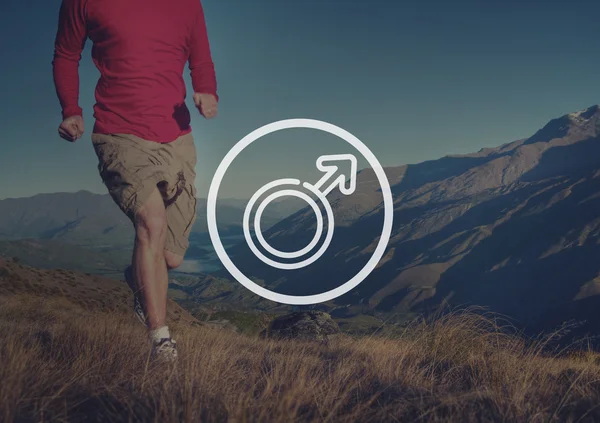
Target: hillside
514, 228
73, 352
78, 292
50, 254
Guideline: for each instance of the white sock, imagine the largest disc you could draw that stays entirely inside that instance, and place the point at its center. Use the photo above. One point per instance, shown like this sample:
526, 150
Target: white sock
161, 333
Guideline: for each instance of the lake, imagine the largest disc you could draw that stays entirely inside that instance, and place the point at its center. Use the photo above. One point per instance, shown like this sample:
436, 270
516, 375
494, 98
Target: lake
208, 262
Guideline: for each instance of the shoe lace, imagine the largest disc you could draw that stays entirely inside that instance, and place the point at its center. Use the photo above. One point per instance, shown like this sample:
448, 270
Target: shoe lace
166, 343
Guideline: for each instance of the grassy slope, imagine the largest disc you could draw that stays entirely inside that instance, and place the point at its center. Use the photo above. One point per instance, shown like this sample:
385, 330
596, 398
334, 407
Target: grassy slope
80, 290
54, 254
71, 351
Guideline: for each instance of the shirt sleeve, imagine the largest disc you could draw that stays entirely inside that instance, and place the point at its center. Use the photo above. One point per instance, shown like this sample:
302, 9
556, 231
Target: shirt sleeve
69, 43
202, 69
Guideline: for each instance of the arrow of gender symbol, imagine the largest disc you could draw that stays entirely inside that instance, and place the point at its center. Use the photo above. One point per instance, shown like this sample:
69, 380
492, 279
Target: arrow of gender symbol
331, 170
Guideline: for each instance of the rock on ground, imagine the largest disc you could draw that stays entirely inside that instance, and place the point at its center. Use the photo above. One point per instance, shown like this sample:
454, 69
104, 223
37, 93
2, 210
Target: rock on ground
303, 325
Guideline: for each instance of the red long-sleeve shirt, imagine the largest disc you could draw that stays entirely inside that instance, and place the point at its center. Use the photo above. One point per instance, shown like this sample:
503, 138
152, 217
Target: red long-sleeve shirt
140, 48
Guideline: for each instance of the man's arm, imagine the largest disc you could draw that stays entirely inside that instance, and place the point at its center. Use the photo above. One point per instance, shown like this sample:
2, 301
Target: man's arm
69, 43
202, 69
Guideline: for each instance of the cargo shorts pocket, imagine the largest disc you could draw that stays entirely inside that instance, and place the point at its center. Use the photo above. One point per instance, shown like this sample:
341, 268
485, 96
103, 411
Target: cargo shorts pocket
121, 182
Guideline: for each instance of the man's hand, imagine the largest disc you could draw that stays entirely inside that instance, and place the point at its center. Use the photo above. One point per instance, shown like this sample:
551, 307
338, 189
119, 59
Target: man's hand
71, 129
206, 104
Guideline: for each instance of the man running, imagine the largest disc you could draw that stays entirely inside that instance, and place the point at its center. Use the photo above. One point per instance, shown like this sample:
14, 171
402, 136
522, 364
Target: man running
142, 133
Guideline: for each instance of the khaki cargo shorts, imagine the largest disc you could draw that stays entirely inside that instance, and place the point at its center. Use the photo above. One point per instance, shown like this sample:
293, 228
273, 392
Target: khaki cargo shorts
132, 167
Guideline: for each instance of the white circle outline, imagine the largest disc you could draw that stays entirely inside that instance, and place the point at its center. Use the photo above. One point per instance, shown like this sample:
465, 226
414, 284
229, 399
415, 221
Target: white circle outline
387, 211
259, 254
258, 231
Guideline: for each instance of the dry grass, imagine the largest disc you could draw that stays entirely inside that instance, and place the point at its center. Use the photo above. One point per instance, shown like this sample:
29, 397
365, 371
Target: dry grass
60, 362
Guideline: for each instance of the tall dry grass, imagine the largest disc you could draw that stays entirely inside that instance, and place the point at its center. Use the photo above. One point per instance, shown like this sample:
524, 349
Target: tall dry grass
63, 364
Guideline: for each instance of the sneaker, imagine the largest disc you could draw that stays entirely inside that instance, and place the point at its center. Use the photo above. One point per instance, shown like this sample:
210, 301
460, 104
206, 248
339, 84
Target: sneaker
164, 350
138, 302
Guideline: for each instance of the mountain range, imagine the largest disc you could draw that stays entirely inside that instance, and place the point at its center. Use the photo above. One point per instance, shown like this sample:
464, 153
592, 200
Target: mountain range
513, 228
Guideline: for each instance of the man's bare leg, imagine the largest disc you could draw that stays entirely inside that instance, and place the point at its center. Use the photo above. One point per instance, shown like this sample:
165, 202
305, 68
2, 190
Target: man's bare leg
149, 264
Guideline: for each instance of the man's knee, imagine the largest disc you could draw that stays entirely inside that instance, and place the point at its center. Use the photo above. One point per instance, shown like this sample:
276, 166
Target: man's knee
151, 221
173, 260
150, 229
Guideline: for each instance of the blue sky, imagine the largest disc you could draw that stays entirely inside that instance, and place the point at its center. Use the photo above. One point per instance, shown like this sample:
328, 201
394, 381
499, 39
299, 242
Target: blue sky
414, 80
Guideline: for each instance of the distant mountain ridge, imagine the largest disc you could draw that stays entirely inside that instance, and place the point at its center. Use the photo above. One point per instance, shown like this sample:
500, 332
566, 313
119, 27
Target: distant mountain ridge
88, 219
515, 228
